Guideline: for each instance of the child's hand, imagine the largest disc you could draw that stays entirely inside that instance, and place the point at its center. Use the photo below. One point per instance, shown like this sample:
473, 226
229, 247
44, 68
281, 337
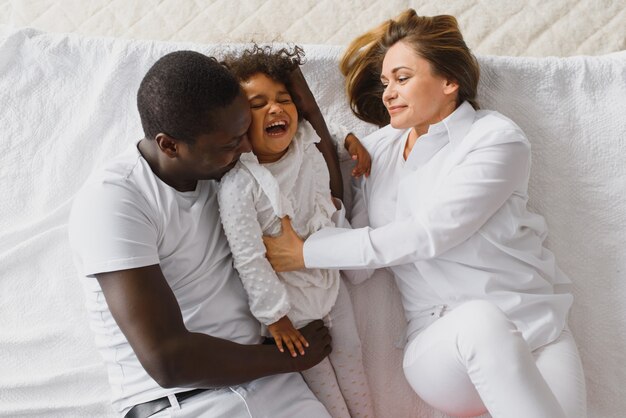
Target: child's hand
284, 332
360, 154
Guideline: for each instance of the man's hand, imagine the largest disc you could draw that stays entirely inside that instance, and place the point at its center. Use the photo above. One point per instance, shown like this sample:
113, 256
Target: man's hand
285, 252
319, 345
283, 331
360, 155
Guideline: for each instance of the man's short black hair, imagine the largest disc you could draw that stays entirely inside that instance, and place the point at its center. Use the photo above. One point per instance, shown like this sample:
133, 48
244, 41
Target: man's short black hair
180, 93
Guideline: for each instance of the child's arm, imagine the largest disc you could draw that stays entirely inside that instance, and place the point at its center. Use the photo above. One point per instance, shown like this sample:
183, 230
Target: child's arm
358, 153
267, 296
308, 108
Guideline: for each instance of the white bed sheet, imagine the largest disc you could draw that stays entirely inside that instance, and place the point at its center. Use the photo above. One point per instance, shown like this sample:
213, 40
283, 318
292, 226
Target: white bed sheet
69, 104
47, 363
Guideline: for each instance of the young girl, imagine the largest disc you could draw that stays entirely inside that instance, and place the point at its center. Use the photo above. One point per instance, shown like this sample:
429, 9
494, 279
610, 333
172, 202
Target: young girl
286, 175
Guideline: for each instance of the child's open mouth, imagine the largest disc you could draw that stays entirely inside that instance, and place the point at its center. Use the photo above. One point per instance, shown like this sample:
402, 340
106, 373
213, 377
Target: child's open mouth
277, 128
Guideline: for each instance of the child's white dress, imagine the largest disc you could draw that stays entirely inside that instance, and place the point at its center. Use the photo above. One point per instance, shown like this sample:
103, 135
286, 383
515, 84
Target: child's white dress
253, 197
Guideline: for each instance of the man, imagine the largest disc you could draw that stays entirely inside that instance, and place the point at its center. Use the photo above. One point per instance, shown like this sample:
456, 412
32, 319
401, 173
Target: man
169, 312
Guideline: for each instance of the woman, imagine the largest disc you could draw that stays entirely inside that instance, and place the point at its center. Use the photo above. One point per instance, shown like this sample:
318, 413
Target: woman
446, 204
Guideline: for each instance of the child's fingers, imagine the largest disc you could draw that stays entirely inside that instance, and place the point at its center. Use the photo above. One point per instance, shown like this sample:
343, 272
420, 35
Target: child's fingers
290, 347
303, 340
279, 344
299, 347
365, 164
359, 169
298, 344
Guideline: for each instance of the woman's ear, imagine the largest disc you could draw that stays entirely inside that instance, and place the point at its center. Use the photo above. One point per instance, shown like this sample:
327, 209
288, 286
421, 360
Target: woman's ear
167, 144
450, 86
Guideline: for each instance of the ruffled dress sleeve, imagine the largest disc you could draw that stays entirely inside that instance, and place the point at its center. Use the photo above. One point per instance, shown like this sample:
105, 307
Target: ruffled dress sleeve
237, 196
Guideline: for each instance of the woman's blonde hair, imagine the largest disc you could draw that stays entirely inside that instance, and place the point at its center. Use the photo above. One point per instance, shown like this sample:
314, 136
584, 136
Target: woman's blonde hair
437, 39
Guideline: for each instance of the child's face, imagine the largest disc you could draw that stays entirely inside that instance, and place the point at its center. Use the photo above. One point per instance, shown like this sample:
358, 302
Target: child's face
274, 117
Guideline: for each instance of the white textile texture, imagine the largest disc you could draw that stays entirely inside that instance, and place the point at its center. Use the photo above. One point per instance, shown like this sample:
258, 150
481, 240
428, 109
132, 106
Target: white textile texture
529, 28
69, 104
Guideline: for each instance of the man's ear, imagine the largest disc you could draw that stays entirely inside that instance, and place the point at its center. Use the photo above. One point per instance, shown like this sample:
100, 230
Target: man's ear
450, 86
167, 144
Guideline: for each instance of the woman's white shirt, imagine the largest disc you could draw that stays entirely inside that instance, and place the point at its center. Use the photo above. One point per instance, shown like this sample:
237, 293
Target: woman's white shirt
452, 223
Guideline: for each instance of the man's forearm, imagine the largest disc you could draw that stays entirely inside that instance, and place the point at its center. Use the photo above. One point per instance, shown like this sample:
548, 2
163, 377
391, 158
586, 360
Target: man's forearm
202, 361
147, 312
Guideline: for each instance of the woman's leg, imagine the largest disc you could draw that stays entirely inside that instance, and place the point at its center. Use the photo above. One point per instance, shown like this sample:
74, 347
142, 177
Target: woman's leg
347, 358
560, 365
474, 360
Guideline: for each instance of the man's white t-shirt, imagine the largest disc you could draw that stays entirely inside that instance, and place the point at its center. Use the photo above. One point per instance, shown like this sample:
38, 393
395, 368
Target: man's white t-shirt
125, 217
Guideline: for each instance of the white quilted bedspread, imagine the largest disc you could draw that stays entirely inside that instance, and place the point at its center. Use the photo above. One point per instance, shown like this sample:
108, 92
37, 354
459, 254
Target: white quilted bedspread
498, 27
68, 104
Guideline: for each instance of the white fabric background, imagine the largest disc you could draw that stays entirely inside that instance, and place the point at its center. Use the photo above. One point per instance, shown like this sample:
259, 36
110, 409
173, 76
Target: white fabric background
68, 103
499, 27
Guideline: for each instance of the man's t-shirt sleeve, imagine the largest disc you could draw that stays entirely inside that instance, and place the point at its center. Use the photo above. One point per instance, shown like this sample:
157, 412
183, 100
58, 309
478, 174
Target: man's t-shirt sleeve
111, 228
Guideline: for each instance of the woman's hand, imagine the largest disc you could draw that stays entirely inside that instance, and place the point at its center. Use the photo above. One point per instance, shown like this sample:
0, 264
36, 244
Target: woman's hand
284, 332
285, 252
360, 155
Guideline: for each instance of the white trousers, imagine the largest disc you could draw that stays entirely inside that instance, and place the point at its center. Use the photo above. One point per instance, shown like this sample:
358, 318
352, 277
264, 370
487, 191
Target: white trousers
474, 360
283, 395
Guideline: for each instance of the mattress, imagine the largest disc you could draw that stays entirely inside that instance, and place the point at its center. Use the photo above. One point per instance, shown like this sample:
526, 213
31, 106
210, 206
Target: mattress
68, 95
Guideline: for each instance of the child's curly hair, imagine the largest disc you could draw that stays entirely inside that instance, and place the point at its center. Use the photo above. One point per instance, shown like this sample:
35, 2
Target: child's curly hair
276, 64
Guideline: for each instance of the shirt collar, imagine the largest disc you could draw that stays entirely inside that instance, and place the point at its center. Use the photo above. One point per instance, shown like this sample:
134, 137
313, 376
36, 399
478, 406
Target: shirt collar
457, 124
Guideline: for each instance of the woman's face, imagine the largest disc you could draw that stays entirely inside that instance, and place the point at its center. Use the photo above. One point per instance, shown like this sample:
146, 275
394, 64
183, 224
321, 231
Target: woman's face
413, 96
274, 117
